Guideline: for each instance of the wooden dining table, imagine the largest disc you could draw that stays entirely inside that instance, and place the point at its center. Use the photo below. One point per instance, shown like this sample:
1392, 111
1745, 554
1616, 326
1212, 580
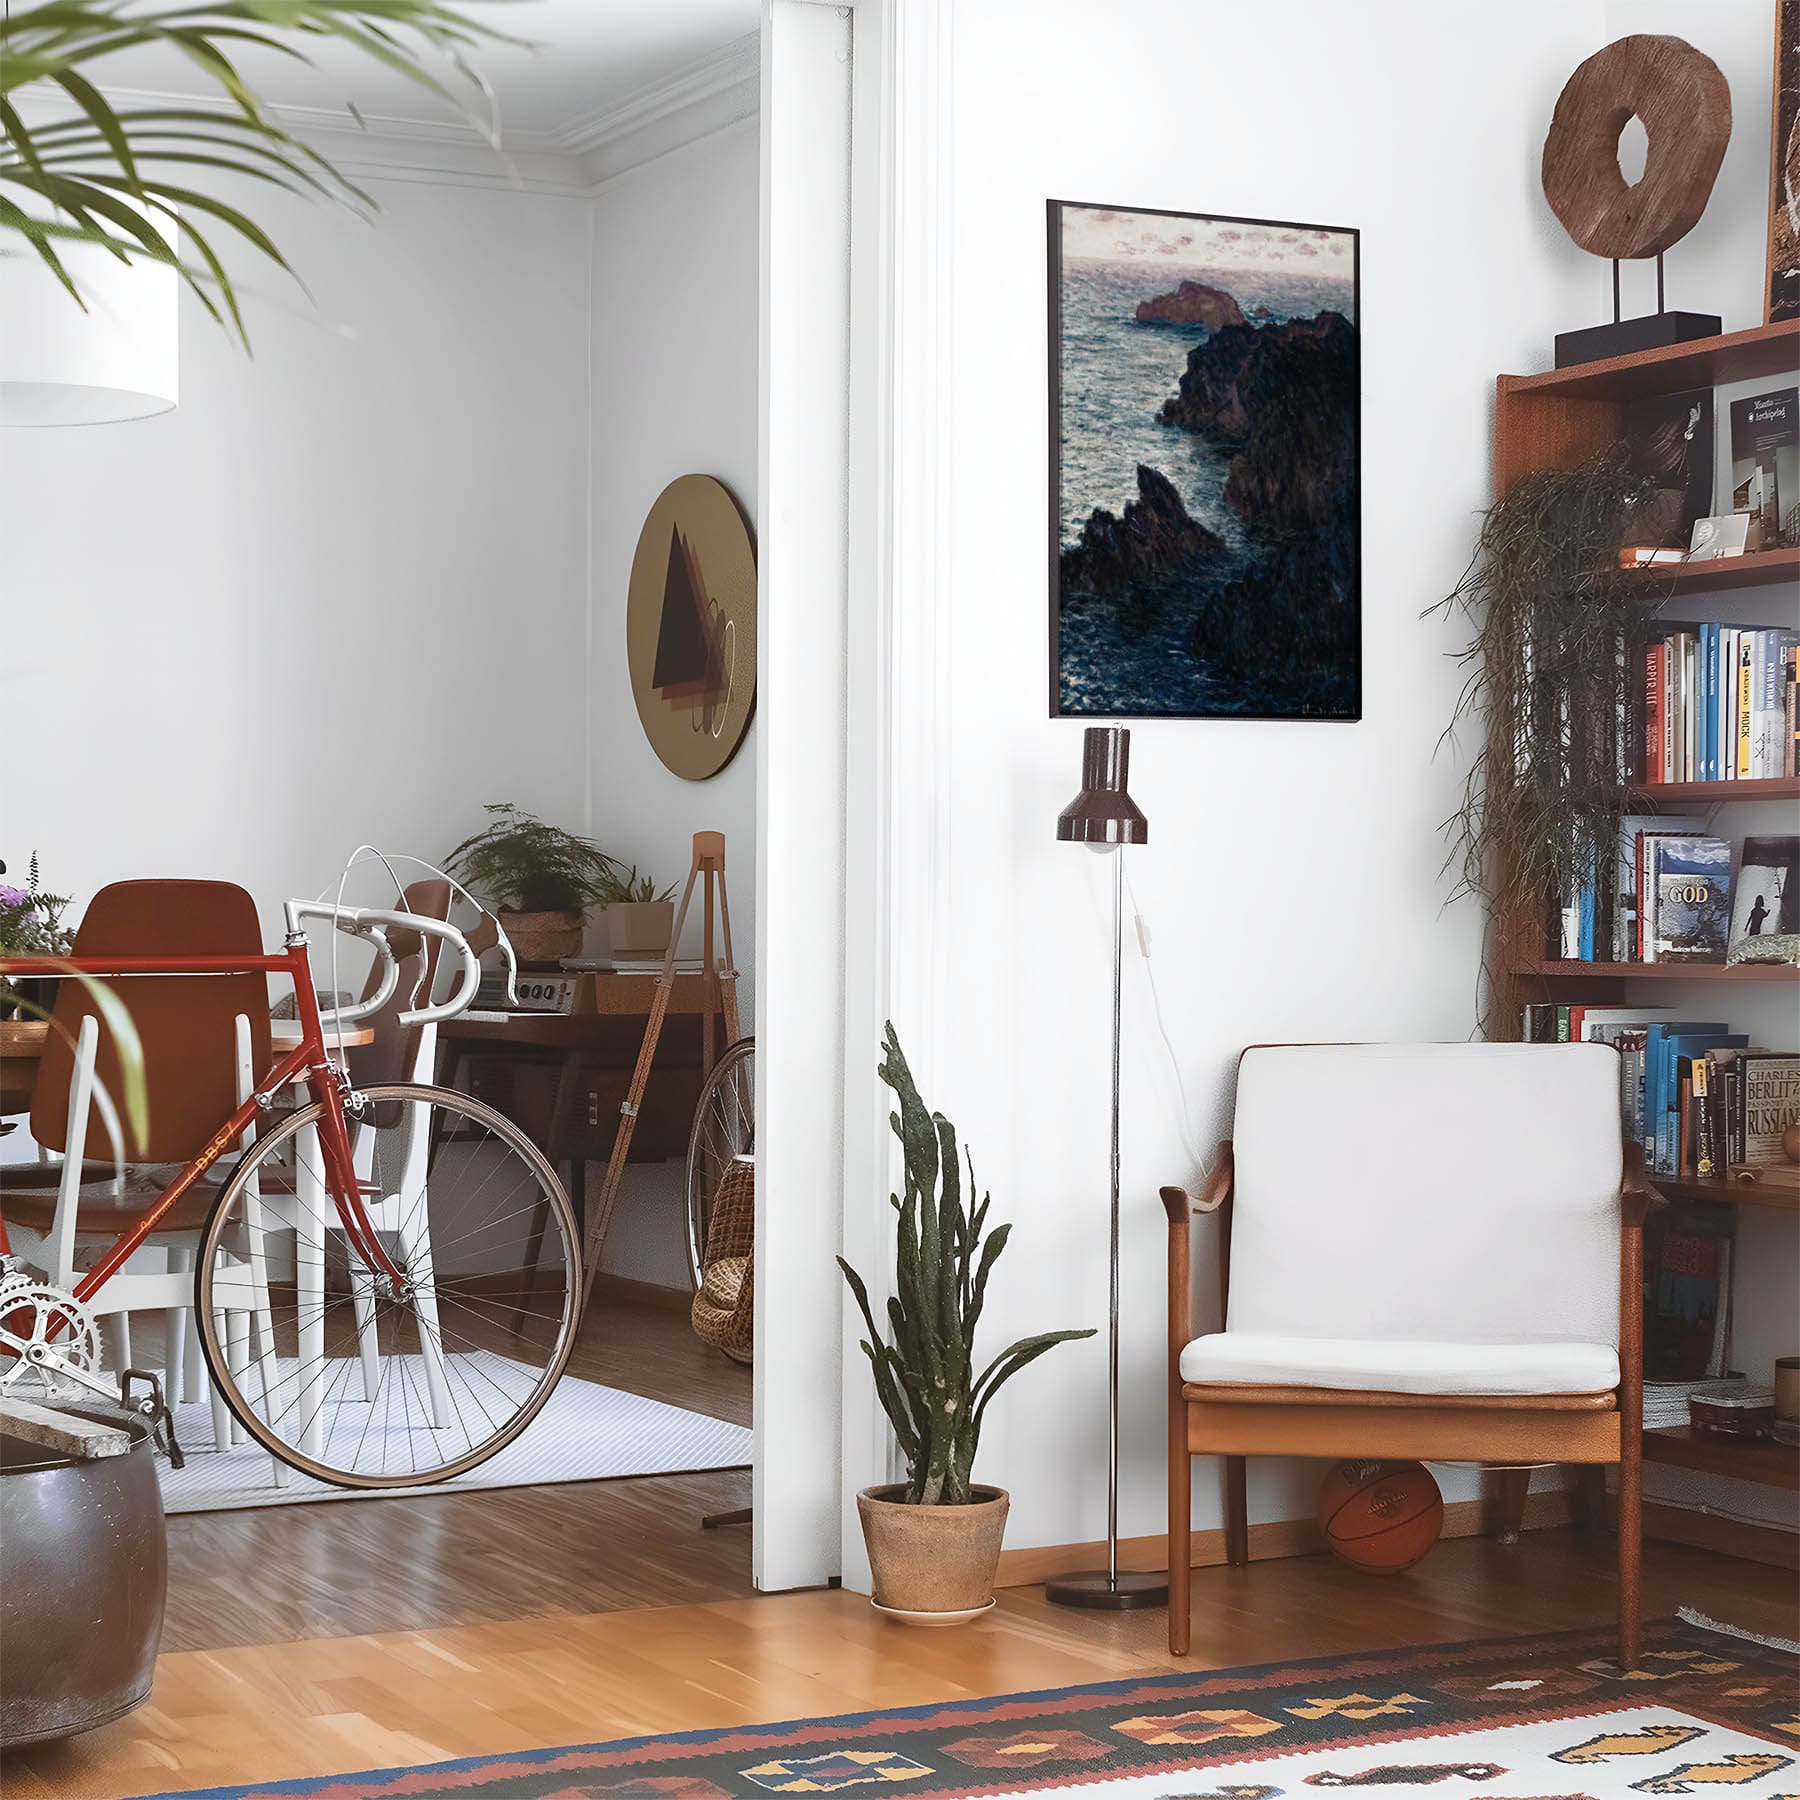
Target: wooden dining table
22, 1044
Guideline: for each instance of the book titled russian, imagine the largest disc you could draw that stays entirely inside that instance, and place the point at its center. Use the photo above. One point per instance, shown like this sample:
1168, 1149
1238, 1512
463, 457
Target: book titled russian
1765, 461
1770, 1098
1690, 881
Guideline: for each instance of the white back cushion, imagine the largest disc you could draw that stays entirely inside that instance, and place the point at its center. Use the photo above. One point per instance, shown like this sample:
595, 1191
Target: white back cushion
1457, 1192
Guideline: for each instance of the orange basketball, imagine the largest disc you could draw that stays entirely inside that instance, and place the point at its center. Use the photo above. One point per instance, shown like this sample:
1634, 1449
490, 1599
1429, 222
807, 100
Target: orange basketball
1380, 1517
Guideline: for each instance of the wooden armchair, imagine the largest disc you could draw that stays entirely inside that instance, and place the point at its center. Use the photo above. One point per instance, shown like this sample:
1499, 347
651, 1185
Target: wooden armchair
1429, 1251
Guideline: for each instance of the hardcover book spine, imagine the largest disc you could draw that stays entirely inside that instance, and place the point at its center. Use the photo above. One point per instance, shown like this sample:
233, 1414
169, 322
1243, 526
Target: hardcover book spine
1653, 715
1791, 765
1727, 742
1705, 1164
1671, 706
1745, 640
1709, 710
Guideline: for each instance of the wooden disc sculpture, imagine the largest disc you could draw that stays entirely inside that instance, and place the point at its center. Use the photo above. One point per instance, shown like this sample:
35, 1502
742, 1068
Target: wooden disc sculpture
1684, 103
690, 626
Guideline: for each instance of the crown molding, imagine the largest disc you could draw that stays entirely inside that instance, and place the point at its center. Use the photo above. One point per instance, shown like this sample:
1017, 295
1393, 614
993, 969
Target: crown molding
702, 98
722, 73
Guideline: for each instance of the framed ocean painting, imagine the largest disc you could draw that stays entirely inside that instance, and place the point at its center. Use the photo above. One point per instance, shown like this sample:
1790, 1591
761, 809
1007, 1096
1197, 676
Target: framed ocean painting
1205, 485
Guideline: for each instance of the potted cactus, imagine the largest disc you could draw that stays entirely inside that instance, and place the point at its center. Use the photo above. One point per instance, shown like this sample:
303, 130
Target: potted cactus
934, 1539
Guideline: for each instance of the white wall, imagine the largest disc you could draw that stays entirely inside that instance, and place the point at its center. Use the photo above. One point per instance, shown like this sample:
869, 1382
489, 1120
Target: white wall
674, 346
1292, 878
375, 528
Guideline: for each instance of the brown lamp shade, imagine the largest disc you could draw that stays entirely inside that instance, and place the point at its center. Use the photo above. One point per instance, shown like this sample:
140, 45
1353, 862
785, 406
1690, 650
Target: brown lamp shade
1103, 812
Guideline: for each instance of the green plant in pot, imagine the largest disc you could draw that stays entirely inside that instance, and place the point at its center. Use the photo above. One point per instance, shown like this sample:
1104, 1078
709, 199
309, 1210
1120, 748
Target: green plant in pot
639, 918
542, 878
934, 1540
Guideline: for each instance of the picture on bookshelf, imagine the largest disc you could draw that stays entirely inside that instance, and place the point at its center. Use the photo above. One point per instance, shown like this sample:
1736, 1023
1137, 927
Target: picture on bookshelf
1771, 1103
1765, 464
1688, 888
1205, 444
1783, 300
1767, 899
1670, 440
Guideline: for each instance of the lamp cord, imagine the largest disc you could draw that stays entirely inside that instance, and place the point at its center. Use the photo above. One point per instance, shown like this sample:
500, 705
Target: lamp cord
1184, 1113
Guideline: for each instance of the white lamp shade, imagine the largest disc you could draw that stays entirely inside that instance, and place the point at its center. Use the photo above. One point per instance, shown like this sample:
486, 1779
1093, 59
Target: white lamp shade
61, 366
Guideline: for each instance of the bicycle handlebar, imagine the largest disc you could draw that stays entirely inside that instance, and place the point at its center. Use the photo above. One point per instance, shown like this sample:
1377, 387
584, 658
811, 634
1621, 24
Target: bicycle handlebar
373, 925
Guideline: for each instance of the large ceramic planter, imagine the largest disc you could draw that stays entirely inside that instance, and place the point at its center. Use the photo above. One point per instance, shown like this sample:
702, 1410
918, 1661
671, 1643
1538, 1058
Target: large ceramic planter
542, 939
81, 1602
933, 1565
640, 928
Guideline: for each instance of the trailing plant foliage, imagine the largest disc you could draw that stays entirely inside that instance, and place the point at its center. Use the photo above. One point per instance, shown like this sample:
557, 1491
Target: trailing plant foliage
1549, 678
138, 181
925, 1372
520, 862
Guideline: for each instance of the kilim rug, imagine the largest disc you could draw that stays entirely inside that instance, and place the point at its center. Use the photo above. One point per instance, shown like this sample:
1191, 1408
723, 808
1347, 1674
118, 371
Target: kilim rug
1542, 1718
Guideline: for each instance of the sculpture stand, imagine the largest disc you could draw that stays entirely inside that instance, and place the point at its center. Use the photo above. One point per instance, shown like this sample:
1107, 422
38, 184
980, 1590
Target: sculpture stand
1624, 337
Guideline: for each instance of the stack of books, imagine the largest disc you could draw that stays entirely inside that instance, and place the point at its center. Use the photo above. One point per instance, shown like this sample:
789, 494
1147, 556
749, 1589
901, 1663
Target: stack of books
1699, 1097
1678, 894
1718, 705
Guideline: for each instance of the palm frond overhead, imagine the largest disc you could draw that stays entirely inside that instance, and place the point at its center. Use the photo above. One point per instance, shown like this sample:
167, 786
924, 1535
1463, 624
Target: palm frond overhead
140, 182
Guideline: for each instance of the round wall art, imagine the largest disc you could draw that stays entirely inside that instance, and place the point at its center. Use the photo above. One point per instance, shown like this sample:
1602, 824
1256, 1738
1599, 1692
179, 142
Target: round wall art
690, 626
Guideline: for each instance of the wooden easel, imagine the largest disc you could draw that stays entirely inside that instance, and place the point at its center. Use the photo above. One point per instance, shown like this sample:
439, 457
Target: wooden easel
721, 998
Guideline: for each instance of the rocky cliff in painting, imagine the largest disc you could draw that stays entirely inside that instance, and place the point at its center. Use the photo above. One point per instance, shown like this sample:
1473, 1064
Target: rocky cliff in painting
1155, 542
1193, 303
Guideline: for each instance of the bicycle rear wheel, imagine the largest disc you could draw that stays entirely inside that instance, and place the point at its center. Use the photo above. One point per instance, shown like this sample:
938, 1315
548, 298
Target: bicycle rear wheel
724, 1127
348, 1376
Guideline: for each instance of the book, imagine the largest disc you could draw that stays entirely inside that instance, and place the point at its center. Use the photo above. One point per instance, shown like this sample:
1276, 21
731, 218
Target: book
1765, 460
1687, 1302
1768, 701
1768, 1103
1741, 756
1766, 897
1688, 882
1632, 829
1669, 438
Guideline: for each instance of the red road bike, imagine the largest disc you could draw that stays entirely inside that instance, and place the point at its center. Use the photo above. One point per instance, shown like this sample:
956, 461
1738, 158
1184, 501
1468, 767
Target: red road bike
387, 1280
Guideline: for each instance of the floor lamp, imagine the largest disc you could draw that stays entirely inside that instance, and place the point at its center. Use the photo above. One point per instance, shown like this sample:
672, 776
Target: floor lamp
1104, 817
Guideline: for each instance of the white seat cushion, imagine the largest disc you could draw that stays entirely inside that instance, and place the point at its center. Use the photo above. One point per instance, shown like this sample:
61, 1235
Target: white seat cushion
1394, 1366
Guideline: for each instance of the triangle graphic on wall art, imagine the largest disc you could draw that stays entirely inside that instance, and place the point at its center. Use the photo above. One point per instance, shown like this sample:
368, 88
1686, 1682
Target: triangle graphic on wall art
688, 669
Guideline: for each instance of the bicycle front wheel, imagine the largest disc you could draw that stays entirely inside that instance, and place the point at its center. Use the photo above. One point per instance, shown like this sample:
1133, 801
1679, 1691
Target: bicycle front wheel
358, 1379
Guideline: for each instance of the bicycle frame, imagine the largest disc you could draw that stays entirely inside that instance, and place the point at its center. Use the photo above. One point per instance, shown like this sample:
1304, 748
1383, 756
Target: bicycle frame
308, 1060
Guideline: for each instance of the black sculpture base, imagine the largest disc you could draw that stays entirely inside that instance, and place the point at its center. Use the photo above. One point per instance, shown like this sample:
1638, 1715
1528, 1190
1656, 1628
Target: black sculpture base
1095, 1591
1624, 337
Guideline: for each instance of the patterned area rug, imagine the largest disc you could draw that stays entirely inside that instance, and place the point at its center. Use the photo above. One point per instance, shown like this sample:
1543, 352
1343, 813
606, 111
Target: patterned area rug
1545, 1718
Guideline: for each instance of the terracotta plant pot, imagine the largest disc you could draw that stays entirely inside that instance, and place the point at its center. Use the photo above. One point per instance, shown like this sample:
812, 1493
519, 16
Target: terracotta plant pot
640, 928
933, 1564
542, 939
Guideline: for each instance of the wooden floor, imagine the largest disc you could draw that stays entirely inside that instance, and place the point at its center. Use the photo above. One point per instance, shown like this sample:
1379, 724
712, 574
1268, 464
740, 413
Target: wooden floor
336, 1704
330, 1569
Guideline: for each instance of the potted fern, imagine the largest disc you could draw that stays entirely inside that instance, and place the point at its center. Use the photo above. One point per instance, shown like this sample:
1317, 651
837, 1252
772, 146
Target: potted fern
934, 1539
542, 878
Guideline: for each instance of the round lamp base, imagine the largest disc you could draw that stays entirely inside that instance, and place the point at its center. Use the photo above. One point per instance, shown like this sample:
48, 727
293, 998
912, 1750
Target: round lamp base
1095, 1590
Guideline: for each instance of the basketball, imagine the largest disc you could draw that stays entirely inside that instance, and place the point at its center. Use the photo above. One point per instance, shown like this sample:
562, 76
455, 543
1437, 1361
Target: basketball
1380, 1517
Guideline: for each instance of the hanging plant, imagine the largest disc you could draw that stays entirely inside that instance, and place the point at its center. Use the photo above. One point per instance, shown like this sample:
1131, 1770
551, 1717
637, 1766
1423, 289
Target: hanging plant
1549, 680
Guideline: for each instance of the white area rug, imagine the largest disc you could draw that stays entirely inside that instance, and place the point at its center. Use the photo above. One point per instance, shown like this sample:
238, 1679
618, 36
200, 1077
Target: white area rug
586, 1432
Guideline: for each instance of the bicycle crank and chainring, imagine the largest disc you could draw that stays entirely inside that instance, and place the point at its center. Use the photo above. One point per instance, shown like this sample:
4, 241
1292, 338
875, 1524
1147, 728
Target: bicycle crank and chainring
47, 1339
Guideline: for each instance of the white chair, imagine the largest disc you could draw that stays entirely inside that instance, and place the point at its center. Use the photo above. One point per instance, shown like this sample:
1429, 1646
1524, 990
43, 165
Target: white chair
1426, 1251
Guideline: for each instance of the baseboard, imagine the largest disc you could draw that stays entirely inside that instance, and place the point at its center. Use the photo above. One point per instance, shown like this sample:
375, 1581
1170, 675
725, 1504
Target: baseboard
1730, 1537
644, 1293
1272, 1538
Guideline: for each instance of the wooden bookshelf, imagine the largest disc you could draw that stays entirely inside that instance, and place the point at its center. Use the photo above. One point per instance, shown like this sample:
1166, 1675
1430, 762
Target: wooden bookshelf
1743, 1459
1761, 568
1715, 793
1765, 1197
1551, 970
1558, 420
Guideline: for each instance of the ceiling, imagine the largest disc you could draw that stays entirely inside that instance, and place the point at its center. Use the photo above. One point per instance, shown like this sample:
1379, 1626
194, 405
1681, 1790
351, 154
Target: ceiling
587, 62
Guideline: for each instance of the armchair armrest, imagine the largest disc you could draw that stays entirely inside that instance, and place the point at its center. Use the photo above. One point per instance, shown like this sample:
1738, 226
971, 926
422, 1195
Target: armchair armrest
1179, 1204
1636, 1196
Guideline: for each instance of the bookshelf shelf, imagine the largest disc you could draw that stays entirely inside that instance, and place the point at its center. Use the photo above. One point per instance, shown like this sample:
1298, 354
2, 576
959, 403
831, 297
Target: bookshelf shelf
1770, 1198
1760, 568
1759, 1460
1764, 351
1654, 971
1711, 793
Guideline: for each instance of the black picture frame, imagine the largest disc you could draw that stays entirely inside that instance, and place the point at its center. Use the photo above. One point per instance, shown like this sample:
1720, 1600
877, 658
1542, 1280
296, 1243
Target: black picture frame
1272, 705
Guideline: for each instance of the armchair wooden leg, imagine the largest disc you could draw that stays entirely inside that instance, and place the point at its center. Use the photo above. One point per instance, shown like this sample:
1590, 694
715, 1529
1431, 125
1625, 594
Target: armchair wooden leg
1630, 1549
1590, 1499
1181, 1547
1506, 1501
1237, 1513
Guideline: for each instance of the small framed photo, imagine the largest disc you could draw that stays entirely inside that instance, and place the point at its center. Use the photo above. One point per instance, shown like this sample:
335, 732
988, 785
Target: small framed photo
1722, 535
